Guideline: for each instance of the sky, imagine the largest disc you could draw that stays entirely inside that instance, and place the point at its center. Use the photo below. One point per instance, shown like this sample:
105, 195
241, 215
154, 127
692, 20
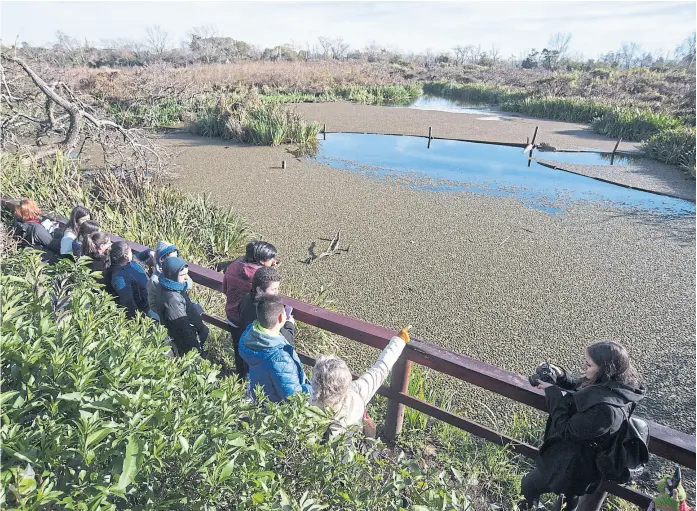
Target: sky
513, 27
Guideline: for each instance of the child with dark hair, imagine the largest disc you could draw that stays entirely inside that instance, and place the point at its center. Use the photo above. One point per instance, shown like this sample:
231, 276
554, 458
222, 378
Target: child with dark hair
78, 216
272, 360
177, 313
582, 424
237, 282
87, 228
128, 280
97, 246
265, 282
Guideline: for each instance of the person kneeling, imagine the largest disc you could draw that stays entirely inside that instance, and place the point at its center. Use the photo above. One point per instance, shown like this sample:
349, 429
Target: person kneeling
582, 424
333, 385
272, 360
177, 313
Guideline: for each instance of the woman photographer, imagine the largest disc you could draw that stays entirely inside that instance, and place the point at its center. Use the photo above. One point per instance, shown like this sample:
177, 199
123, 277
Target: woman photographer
581, 424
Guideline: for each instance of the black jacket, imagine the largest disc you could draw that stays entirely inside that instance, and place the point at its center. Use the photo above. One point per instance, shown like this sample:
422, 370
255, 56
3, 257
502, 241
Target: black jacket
179, 315
35, 235
248, 314
580, 425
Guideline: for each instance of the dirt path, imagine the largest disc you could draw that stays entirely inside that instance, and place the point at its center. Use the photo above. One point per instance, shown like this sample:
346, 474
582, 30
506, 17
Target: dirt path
513, 128
480, 275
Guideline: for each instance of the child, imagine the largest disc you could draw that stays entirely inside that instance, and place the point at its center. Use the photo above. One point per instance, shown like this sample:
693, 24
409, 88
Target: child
78, 216
272, 361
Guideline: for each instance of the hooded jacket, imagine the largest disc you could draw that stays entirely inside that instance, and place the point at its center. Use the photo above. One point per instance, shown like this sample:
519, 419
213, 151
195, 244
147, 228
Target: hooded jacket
129, 283
580, 425
237, 282
273, 363
161, 249
176, 311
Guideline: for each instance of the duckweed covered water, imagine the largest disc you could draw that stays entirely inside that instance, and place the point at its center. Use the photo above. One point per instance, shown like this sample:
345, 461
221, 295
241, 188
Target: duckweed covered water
489, 169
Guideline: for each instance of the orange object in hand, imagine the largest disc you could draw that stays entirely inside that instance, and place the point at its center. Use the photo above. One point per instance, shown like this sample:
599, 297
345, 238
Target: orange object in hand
404, 334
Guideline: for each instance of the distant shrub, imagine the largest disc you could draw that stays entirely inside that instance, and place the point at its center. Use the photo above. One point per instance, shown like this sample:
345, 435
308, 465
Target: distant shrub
676, 147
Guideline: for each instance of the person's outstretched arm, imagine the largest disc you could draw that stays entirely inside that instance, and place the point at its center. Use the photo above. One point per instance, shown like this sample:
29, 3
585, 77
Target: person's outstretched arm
368, 384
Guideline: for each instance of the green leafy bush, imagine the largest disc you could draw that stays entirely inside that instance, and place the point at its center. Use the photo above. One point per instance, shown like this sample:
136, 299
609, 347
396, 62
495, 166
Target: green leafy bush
95, 416
676, 147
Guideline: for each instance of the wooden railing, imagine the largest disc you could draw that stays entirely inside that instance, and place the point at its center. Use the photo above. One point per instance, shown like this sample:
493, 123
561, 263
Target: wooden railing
665, 442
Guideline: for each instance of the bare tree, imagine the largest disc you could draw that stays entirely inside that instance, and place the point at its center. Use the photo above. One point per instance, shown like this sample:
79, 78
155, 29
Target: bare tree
156, 40
33, 103
334, 48
628, 54
462, 53
495, 53
559, 42
685, 52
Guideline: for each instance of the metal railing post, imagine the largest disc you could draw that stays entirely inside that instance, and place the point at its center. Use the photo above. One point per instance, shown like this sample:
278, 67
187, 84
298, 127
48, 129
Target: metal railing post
399, 382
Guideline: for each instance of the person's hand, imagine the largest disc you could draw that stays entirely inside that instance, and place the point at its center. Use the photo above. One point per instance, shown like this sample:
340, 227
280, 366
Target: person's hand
291, 319
404, 334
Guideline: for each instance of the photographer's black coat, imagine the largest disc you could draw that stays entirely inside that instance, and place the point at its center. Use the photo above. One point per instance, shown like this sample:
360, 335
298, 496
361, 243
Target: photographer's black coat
579, 426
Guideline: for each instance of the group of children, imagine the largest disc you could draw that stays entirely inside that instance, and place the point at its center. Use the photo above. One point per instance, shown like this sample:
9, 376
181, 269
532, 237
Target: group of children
586, 414
155, 283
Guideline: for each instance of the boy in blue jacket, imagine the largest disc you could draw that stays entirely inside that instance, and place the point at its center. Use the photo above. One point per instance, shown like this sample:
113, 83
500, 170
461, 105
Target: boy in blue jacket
272, 361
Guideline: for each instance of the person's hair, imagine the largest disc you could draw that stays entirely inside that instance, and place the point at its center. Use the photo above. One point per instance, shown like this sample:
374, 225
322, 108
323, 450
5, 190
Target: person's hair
27, 210
258, 251
331, 382
78, 213
91, 243
263, 277
88, 227
268, 310
117, 253
614, 365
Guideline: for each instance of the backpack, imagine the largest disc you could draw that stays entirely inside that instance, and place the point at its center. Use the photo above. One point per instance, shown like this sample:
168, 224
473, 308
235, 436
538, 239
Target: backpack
625, 459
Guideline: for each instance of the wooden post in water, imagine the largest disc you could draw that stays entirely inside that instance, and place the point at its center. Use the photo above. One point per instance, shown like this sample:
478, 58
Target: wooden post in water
534, 136
324, 132
612, 158
395, 411
430, 131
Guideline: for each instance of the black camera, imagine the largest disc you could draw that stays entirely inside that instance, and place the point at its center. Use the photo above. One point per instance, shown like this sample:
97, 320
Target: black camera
544, 373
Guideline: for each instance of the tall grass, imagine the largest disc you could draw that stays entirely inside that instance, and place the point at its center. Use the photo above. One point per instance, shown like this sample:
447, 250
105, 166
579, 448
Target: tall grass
399, 94
666, 136
246, 118
675, 146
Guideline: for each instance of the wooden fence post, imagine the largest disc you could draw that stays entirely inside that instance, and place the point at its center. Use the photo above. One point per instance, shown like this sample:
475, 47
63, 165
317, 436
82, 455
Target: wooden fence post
324, 132
429, 137
395, 411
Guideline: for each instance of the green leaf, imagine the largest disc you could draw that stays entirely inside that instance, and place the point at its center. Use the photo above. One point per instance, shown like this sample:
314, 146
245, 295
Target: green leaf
457, 474
6, 396
226, 471
258, 497
131, 462
184, 443
199, 441
71, 396
97, 436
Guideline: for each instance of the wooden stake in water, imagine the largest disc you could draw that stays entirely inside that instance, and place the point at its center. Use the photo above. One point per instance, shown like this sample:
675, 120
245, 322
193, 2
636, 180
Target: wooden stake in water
283, 164
612, 158
534, 136
324, 132
430, 131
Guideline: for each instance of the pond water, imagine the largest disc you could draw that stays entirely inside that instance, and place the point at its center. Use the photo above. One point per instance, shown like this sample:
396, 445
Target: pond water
451, 165
437, 103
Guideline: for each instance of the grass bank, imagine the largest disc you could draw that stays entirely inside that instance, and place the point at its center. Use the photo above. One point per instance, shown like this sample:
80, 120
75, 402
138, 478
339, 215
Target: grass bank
666, 138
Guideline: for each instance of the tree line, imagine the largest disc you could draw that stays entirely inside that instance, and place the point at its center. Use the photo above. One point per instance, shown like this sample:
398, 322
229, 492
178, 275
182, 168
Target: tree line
205, 45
